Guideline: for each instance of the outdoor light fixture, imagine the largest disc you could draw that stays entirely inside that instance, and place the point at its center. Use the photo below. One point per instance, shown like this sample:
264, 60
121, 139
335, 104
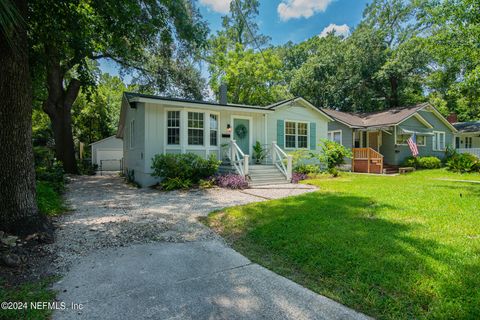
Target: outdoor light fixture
229, 128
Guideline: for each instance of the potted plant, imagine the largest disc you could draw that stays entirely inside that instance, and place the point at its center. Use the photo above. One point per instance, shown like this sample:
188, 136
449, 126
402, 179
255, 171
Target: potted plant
258, 152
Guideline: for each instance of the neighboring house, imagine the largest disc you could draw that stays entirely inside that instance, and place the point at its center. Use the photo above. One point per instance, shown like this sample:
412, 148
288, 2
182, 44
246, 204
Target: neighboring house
151, 125
379, 139
107, 153
467, 139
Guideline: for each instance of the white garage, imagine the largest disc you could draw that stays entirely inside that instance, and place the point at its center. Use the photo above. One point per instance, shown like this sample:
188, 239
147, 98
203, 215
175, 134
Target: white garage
107, 154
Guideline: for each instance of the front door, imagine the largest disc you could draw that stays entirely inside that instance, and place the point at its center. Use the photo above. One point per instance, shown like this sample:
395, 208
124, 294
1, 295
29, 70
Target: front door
373, 140
241, 134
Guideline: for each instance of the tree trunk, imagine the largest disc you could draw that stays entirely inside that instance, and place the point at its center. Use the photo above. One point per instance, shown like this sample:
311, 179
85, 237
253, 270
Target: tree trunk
394, 101
18, 209
58, 106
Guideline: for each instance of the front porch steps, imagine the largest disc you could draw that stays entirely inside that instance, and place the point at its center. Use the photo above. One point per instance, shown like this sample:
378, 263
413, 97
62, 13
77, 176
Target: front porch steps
259, 175
265, 175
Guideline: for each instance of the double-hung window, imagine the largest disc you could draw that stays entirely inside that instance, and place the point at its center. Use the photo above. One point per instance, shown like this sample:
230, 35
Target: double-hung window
335, 136
213, 130
438, 141
296, 135
195, 128
173, 127
468, 142
402, 139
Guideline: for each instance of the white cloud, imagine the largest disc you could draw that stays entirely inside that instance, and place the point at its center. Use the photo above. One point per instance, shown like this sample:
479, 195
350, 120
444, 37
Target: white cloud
220, 6
340, 30
290, 9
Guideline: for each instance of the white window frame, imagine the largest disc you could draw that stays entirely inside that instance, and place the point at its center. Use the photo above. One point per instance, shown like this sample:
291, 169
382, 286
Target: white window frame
218, 129
331, 134
179, 127
296, 134
435, 141
132, 134
424, 144
203, 129
470, 142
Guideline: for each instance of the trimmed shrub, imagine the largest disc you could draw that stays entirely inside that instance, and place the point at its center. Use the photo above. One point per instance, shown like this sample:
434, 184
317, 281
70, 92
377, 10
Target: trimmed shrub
186, 169
231, 181
306, 169
463, 162
423, 162
429, 162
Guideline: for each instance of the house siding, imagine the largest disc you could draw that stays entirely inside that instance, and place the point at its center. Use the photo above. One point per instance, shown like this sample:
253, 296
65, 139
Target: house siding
298, 112
133, 157
155, 131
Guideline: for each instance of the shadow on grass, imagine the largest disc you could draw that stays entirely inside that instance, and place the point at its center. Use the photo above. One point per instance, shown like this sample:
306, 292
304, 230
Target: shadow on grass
336, 245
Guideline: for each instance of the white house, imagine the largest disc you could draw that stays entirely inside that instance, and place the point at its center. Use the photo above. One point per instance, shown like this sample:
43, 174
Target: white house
107, 153
467, 139
151, 125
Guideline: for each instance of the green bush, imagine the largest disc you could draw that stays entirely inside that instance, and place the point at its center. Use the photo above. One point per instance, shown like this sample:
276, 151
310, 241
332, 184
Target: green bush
429, 162
463, 162
411, 161
188, 167
306, 168
333, 154
423, 162
53, 174
49, 200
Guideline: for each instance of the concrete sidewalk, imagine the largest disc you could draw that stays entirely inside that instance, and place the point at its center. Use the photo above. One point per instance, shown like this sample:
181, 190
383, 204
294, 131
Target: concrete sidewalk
193, 280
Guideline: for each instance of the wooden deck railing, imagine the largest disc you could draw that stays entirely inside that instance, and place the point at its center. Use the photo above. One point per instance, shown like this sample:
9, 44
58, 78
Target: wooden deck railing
368, 155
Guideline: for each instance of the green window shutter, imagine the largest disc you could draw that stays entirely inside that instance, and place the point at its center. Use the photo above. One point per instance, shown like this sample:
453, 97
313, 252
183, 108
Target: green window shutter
280, 133
313, 136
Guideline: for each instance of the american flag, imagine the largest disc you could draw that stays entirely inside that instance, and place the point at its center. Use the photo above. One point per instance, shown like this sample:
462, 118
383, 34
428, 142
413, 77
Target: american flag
412, 143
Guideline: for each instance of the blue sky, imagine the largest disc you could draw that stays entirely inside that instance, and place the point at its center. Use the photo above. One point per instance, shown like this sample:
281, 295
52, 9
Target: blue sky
285, 20
299, 20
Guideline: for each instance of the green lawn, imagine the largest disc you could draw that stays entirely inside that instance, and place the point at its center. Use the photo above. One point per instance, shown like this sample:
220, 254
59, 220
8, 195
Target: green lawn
392, 247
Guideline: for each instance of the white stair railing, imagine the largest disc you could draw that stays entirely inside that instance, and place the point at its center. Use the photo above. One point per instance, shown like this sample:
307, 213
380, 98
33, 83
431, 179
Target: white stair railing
280, 158
237, 158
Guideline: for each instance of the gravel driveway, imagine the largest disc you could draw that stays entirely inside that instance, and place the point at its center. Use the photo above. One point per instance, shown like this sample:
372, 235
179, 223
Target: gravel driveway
127, 252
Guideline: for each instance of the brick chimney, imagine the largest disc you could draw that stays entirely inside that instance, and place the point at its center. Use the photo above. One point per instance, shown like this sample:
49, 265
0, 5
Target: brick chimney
452, 117
223, 94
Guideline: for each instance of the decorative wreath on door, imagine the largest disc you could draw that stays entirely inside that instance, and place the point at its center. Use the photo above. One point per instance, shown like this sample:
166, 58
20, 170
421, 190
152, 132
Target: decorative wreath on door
241, 131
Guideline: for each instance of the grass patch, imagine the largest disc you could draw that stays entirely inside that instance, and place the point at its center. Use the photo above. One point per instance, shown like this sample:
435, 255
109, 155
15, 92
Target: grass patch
30, 292
392, 247
49, 200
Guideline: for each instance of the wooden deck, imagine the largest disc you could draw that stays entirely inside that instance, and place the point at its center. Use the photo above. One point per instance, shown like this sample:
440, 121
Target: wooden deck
367, 160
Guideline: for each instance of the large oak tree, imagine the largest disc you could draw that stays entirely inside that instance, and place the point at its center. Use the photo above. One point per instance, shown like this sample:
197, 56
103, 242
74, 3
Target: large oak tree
18, 209
67, 34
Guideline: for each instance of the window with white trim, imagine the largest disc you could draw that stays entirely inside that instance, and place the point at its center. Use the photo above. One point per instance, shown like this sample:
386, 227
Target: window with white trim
402, 139
296, 135
468, 142
173, 127
195, 128
213, 130
438, 141
132, 134
335, 136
